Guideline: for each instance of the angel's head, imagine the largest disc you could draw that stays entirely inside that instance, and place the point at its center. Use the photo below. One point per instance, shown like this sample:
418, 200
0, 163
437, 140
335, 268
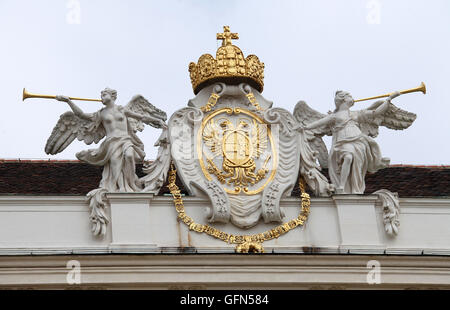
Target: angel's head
108, 95
343, 97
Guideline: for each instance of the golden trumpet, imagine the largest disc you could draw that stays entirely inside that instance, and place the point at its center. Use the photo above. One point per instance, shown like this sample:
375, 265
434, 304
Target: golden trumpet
421, 88
26, 95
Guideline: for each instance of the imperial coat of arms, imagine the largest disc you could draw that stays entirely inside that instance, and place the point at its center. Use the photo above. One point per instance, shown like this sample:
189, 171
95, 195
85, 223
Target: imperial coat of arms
233, 146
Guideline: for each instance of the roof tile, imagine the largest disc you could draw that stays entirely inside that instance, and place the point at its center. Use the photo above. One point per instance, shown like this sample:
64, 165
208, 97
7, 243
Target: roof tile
48, 177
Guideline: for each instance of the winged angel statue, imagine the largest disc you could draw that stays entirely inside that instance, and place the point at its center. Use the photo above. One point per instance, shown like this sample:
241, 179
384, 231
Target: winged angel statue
118, 153
353, 152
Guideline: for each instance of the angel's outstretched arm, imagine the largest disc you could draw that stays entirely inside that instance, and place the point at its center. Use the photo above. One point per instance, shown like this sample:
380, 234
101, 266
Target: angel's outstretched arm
375, 105
145, 119
323, 121
382, 108
76, 110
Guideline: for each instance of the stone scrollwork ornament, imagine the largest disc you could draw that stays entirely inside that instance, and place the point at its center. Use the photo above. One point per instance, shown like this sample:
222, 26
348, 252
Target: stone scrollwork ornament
391, 211
307, 150
156, 171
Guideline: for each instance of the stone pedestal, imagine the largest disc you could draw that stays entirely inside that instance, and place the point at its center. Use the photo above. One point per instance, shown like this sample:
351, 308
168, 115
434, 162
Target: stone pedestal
130, 217
140, 223
358, 224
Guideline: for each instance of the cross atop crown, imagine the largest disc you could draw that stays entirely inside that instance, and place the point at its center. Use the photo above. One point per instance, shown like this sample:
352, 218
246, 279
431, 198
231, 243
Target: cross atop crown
227, 36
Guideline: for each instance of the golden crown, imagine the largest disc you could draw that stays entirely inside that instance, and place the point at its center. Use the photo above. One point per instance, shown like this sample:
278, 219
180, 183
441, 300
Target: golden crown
230, 66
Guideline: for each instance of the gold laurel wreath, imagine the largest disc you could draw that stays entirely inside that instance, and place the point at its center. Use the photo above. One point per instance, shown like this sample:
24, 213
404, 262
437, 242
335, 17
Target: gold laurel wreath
245, 243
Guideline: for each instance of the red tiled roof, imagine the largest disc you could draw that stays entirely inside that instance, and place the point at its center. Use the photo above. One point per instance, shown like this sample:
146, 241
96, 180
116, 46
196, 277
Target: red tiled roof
72, 177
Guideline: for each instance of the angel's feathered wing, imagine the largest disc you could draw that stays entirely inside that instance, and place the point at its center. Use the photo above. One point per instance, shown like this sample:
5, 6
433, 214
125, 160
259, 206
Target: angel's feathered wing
394, 118
259, 138
212, 136
138, 104
70, 127
305, 116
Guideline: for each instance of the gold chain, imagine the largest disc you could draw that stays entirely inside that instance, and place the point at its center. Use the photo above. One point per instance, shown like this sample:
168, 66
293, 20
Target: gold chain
251, 98
211, 102
245, 243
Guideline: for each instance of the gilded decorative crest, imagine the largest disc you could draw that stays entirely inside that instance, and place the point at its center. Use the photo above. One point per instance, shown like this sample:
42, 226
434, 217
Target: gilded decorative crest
236, 147
232, 145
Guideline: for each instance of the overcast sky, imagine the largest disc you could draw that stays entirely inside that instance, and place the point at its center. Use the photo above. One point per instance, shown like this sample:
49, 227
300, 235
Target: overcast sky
310, 49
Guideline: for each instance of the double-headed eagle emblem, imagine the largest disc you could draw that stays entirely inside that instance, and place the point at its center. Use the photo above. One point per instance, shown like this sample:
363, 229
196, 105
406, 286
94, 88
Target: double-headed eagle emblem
239, 145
